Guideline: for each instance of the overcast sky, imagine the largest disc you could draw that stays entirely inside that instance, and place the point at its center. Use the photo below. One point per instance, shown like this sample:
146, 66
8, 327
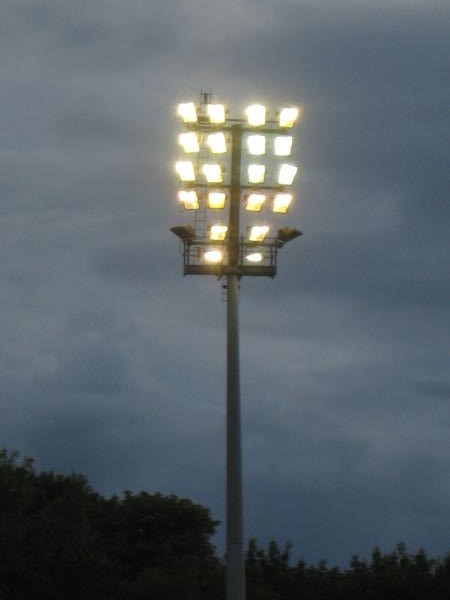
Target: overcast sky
113, 364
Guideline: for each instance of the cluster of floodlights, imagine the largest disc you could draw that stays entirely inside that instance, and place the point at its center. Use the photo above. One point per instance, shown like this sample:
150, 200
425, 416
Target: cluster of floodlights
204, 170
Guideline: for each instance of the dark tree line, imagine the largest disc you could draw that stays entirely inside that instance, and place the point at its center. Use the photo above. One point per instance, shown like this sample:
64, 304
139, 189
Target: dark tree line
61, 539
396, 575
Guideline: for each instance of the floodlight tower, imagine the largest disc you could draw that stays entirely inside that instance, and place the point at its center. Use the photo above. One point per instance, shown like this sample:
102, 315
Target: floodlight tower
214, 147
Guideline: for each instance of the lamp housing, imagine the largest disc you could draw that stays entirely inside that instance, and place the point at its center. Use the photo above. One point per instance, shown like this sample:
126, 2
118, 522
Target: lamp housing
184, 232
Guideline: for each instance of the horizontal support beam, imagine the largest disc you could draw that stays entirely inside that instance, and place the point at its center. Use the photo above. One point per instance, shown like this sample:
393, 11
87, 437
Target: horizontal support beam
220, 271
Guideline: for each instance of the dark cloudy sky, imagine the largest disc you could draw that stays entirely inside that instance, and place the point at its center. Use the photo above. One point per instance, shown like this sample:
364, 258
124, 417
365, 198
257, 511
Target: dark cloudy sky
113, 364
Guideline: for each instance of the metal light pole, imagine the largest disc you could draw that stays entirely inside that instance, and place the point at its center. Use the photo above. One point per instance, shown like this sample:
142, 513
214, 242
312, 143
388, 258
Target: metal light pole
235, 560
232, 256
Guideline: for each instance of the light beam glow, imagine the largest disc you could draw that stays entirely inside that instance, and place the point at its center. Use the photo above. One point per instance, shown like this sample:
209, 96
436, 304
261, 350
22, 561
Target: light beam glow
256, 173
288, 116
283, 145
256, 115
218, 232
212, 173
213, 255
189, 142
216, 113
216, 199
189, 199
185, 170
258, 233
254, 257
256, 144
187, 112
281, 203
217, 143
254, 202
286, 174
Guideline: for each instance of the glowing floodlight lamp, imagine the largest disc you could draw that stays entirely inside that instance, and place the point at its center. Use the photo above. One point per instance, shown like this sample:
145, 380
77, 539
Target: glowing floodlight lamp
256, 115
213, 173
256, 144
213, 256
254, 202
216, 199
281, 203
216, 113
217, 233
283, 145
288, 116
189, 142
189, 199
188, 112
256, 173
254, 257
217, 143
286, 174
185, 170
258, 233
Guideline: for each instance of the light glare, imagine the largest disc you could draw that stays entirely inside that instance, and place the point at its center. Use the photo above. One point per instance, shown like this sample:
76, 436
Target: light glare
256, 144
281, 203
288, 116
216, 113
256, 115
213, 256
212, 172
218, 232
185, 170
286, 174
258, 233
189, 142
254, 257
189, 199
256, 173
217, 143
188, 112
216, 199
283, 145
255, 202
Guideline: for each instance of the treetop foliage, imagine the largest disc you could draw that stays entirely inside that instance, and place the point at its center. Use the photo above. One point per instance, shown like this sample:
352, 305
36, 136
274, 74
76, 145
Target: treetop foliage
61, 539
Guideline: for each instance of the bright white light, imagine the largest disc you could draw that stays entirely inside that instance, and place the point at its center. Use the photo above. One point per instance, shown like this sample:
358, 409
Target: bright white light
217, 143
216, 113
216, 199
256, 173
218, 232
288, 116
212, 172
256, 115
255, 202
189, 199
283, 145
213, 256
254, 257
189, 141
286, 174
188, 112
258, 233
256, 144
185, 170
281, 203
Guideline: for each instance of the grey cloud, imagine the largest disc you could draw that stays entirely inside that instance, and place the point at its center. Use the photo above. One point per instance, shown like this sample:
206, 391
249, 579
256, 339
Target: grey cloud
112, 363
92, 368
439, 390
